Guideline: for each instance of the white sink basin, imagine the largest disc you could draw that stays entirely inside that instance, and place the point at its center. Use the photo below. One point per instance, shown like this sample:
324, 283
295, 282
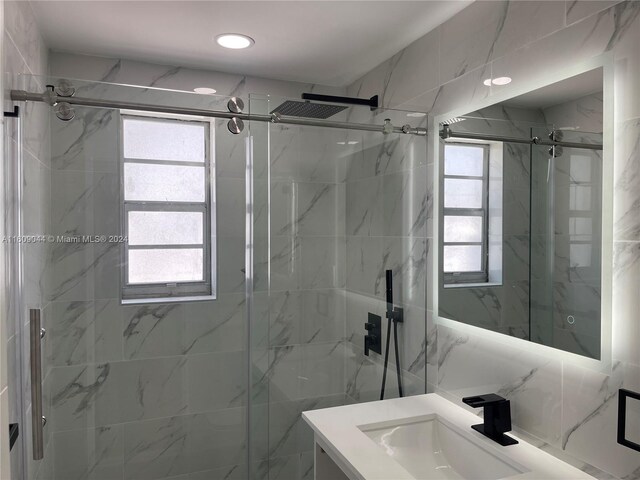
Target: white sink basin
421, 437
432, 448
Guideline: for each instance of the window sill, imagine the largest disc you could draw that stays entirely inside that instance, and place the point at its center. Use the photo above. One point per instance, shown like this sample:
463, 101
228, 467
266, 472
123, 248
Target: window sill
472, 285
145, 301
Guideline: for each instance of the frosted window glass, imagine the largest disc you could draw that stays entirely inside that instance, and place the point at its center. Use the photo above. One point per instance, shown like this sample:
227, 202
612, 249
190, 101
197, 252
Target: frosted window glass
463, 160
580, 197
165, 228
580, 255
463, 258
462, 193
166, 265
165, 183
580, 168
164, 140
462, 229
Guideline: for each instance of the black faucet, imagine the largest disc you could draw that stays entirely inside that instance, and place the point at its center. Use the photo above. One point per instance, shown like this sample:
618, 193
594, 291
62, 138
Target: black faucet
497, 417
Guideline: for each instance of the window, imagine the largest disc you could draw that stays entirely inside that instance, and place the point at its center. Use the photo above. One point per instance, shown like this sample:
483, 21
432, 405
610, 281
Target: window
168, 220
465, 219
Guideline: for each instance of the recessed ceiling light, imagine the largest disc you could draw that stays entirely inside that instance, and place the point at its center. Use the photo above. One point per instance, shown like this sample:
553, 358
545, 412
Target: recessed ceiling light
416, 114
234, 40
205, 90
501, 81
487, 82
352, 142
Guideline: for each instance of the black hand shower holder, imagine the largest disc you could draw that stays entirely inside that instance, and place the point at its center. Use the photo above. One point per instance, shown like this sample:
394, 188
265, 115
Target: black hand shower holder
394, 315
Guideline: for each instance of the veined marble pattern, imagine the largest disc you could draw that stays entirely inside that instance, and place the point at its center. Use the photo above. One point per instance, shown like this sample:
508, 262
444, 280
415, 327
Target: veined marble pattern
594, 27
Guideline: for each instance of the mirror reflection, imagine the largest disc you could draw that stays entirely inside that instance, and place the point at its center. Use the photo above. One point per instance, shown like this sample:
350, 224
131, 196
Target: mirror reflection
521, 214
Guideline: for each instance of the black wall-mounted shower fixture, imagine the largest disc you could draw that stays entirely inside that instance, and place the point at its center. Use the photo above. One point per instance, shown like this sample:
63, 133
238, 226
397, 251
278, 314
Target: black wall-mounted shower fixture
367, 102
394, 315
373, 339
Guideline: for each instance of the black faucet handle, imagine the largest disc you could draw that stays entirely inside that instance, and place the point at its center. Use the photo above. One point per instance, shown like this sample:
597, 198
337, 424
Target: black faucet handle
483, 400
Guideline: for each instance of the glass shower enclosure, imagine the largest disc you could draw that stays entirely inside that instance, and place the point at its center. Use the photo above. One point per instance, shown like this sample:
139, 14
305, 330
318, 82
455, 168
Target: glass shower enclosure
304, 222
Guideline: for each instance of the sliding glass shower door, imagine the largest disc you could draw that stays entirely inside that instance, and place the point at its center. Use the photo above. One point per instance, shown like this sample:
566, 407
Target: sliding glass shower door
334, 208
566, 252
144, 360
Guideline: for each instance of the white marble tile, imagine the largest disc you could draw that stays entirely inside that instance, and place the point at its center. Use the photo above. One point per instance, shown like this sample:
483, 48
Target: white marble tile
365, 207
90, 142
23, 30
230, 207
405, 203
181, 445
627, 181
94, 454
231, 263
307, 316
216, 381
487, 30
300, 208
406, 257
626, 302
405, 75
96, 395
154, 330
364, 264
610, 30
322, 262
84, 332
288, 433
215, 326
306, 371
458, 93
576, 10
590, 414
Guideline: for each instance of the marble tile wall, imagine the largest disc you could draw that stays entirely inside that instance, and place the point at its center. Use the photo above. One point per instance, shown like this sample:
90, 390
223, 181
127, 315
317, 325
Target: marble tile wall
570, 410
24, 52
387, 204
149, 389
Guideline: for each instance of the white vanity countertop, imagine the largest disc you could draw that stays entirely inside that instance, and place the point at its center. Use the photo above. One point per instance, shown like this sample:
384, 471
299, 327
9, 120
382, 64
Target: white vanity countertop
337, 431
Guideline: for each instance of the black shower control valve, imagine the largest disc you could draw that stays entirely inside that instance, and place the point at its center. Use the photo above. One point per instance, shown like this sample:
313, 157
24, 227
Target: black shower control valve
373, 339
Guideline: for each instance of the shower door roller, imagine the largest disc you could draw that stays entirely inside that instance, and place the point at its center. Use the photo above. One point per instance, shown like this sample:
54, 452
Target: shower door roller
235, 105
235, 125
64, 111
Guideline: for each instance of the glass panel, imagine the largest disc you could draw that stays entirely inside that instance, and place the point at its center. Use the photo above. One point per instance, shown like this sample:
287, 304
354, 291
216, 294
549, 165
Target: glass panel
163, 265
580, 228
163, 183
462, 228
580, 197
462, 193
462, 258
580, 255
164, 140
463, 160
580, 168
165, 228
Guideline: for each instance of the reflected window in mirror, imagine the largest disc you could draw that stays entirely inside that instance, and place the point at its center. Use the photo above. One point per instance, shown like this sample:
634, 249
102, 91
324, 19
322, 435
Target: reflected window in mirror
467, 213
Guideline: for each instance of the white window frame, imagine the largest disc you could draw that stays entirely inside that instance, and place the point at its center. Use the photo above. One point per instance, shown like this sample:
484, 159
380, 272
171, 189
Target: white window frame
482, 276
171, 291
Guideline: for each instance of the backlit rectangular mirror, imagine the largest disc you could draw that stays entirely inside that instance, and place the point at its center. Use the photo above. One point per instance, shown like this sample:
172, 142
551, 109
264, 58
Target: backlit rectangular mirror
520, 217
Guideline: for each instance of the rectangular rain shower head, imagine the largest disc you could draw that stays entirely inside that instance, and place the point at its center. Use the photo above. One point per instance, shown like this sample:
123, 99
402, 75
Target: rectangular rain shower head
294, 108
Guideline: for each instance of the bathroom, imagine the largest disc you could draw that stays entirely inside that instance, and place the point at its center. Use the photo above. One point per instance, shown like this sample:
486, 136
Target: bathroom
210, 241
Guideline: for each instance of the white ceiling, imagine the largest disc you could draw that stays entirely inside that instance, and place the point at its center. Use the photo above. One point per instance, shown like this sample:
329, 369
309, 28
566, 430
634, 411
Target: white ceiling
325, 42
